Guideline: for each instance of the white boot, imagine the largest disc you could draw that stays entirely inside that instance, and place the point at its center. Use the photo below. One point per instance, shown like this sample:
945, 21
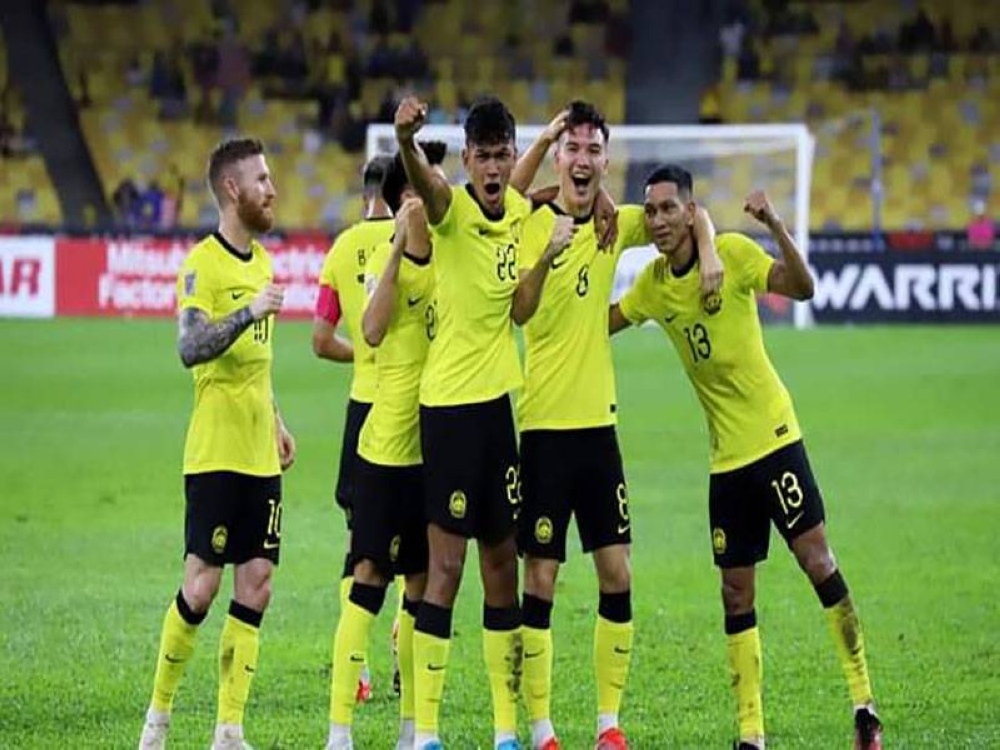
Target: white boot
154, 731
229, 737
340, 737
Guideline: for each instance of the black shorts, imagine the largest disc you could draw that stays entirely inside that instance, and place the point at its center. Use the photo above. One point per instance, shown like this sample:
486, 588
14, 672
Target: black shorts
470, 468
354, 420
232, 518
742, 503
389, 526
571, 472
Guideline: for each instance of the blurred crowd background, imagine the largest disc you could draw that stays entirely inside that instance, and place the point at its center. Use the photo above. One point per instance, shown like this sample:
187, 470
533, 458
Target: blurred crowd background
108, 109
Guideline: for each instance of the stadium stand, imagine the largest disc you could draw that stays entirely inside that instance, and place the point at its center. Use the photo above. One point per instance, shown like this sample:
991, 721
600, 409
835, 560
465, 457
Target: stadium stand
26, 192
160, 83
934, 79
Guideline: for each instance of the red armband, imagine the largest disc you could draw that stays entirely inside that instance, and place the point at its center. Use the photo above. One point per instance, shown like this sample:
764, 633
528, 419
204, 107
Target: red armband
328, 305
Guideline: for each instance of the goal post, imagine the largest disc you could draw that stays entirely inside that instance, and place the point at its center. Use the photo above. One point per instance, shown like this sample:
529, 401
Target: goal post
726, 161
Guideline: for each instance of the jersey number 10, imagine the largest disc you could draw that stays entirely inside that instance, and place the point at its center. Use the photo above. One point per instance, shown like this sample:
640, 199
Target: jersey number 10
262, 330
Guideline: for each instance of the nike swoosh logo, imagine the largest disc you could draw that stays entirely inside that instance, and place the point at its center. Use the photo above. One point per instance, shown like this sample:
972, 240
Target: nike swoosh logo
249, 669
670, 318
533, 654
435, 667
620, 650
271, 545
483, 231
237, 295
622, 528
412, 302
171, 659
795, 520
556, 264
357, 659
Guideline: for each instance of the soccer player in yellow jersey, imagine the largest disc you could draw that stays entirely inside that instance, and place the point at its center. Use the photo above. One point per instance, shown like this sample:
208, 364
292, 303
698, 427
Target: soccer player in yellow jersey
570, 461
389, 534
759, 472
466, 425
342, 295
237, 445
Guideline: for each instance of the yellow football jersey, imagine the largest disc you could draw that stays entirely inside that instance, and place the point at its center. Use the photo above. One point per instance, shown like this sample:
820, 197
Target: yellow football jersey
720, 343
472, 356
569, 378
232, 425
391, 433
344, 272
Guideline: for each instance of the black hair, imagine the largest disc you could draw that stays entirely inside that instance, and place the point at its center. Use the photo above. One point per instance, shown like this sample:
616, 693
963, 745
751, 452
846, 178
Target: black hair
675, 174
489, 123
585, 113
228, 153
395, 178
375, 171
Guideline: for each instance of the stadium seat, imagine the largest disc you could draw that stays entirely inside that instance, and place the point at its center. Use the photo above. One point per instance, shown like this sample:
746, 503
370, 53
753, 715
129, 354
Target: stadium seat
937, 127
127, 139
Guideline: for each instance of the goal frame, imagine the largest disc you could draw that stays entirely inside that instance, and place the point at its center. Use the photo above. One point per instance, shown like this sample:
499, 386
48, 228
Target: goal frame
752, 138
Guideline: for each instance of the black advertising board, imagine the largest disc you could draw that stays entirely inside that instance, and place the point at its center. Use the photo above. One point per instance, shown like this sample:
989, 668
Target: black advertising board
910, 287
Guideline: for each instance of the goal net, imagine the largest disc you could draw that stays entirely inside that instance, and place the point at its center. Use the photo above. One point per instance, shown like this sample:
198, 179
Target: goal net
726, 161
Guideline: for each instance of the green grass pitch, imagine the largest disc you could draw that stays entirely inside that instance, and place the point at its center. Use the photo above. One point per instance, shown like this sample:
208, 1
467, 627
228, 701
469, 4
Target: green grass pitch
903, 428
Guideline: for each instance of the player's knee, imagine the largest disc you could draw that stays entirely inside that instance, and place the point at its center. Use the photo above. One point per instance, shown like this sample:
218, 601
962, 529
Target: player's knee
540, 577
614, 574
254, 590
448, 567
368, 573
816, 559
614, 569
737, 595
616, 580
259, 595
200, 593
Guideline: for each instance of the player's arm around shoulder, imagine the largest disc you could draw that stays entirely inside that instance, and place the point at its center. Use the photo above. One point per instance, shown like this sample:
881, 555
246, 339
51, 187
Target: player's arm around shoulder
529, 162
711, 269
431, 186
788, 275
633, 307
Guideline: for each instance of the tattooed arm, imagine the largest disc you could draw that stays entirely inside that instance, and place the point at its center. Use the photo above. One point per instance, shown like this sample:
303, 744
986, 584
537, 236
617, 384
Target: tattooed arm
202, 340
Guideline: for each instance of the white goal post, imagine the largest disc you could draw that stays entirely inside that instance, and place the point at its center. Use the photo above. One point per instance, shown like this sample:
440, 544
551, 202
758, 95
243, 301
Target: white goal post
726, 161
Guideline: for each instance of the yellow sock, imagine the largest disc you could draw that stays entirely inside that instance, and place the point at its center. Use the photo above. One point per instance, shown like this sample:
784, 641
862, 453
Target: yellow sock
537, 671
350, 649
612, 656
846, 630
430, 663
176, 646
503, 650
404, 652
743, 651
238, 648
